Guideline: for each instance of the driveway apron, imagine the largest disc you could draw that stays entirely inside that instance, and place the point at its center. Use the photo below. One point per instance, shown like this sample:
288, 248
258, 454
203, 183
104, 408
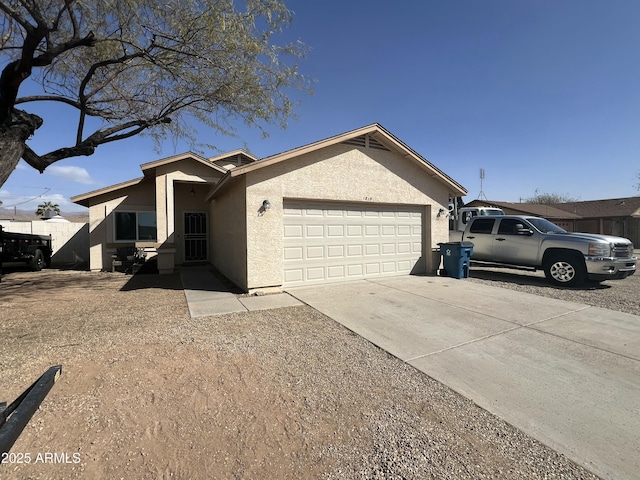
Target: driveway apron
566, 373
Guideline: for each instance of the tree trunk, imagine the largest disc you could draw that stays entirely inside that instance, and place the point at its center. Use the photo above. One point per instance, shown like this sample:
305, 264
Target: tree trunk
12, 140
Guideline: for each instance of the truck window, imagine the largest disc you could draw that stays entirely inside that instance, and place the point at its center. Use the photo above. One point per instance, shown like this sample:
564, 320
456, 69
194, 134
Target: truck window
482, 225
466, 216
512, 226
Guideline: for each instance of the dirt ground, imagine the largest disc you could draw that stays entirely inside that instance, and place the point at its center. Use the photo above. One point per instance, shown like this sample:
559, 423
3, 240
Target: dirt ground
147, 392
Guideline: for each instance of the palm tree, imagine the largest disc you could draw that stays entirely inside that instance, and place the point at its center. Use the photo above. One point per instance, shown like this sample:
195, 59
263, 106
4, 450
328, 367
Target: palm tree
43, 208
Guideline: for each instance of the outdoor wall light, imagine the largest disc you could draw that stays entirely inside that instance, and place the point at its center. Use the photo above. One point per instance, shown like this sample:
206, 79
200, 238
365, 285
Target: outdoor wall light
192, 192
266, 205
440, 212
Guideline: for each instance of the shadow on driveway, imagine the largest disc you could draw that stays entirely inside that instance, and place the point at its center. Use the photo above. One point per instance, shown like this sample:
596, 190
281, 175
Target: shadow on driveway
525, 277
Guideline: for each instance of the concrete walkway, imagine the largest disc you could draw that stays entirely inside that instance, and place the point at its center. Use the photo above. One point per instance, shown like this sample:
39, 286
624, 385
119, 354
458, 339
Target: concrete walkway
206, 295
565, 373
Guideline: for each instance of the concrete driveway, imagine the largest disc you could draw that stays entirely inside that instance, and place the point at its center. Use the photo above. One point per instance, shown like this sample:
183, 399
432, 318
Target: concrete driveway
565, 373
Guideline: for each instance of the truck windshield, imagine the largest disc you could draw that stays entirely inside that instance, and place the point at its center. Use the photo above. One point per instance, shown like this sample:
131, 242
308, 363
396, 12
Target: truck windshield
545, 226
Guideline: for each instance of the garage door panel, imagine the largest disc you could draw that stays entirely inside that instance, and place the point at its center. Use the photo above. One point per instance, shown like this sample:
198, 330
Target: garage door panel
335, 272
335, 230
372, 268
293, 275
404, 248
293, 231
372, 249
336, 242
354, 271
315, 252
293, 253
354, 231
388, 248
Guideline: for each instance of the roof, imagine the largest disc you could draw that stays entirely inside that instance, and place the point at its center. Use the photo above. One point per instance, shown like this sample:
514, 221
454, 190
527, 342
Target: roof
83, 199
375, 131
179, 157
613, 207
536, 209
234, 155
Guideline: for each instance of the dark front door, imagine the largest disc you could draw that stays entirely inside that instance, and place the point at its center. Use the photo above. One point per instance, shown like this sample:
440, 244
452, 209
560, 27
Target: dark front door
195, 236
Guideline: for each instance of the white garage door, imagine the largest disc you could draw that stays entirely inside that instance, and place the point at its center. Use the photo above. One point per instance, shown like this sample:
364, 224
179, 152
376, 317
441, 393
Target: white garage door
325, 242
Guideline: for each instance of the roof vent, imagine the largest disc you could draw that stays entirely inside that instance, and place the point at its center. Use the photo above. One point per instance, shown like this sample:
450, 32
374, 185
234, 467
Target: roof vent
357, 141
365, 141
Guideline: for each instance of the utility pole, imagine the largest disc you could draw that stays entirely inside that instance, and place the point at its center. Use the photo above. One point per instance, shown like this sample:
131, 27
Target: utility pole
481, 195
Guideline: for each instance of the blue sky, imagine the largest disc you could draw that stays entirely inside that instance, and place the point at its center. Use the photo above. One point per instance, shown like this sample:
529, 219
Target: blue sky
543, 95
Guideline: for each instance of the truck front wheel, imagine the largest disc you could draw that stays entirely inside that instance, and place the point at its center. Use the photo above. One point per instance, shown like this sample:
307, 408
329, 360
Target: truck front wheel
37, 262
565, 270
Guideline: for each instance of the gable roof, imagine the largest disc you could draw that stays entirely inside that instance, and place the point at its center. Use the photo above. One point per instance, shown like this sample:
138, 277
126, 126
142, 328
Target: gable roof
238, 157
179, 157
373, 135
536, 209
613, 207
83, 199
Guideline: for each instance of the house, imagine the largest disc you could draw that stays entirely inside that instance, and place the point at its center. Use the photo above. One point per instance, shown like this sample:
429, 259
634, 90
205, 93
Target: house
554, 213
614, 216
357, 205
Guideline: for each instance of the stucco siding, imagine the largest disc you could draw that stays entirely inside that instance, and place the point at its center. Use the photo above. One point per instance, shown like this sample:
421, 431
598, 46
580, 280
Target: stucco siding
341, 173
228, 233
140, 197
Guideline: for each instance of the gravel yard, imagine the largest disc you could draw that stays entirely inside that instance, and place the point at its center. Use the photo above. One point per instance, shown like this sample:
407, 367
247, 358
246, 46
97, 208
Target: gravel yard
620, 295
147, 392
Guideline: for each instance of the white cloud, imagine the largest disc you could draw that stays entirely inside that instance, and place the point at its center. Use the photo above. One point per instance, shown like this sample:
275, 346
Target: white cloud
75, 174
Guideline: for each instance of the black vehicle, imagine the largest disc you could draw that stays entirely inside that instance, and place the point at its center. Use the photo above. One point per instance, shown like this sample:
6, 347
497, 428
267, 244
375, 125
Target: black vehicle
22, 249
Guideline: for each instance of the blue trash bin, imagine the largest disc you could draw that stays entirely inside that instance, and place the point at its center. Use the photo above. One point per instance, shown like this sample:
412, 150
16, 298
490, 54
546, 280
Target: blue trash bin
456, 258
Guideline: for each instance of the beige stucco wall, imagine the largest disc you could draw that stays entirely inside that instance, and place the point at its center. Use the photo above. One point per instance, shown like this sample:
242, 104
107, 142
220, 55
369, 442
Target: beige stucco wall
165, 190
228, 233
341, 173
140, 197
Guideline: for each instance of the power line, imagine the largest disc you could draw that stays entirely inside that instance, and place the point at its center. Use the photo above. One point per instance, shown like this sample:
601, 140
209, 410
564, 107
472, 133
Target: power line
47, 190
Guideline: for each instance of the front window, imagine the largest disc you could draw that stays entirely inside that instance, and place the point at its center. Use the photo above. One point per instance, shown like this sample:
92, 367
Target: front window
135, 226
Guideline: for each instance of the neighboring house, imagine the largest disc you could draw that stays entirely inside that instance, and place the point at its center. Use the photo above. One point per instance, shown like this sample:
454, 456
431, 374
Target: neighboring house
560, 217
357, 205
615, 216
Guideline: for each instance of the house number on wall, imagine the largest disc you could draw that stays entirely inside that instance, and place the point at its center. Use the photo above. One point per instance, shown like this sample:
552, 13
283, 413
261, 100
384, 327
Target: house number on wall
368, 199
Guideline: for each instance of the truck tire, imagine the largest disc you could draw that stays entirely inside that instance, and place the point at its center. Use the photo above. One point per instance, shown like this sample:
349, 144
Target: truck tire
37, 262
567, 270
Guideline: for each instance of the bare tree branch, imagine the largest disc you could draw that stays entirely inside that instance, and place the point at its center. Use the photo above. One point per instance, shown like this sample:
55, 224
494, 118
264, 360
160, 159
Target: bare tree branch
143, 71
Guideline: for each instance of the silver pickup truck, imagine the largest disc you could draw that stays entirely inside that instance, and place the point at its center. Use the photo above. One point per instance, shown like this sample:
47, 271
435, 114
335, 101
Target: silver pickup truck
567, 258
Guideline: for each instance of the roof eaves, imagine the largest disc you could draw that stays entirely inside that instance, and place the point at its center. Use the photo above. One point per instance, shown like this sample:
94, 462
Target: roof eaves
218, 186
375, 129
82, 198
179, 157
233, 154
